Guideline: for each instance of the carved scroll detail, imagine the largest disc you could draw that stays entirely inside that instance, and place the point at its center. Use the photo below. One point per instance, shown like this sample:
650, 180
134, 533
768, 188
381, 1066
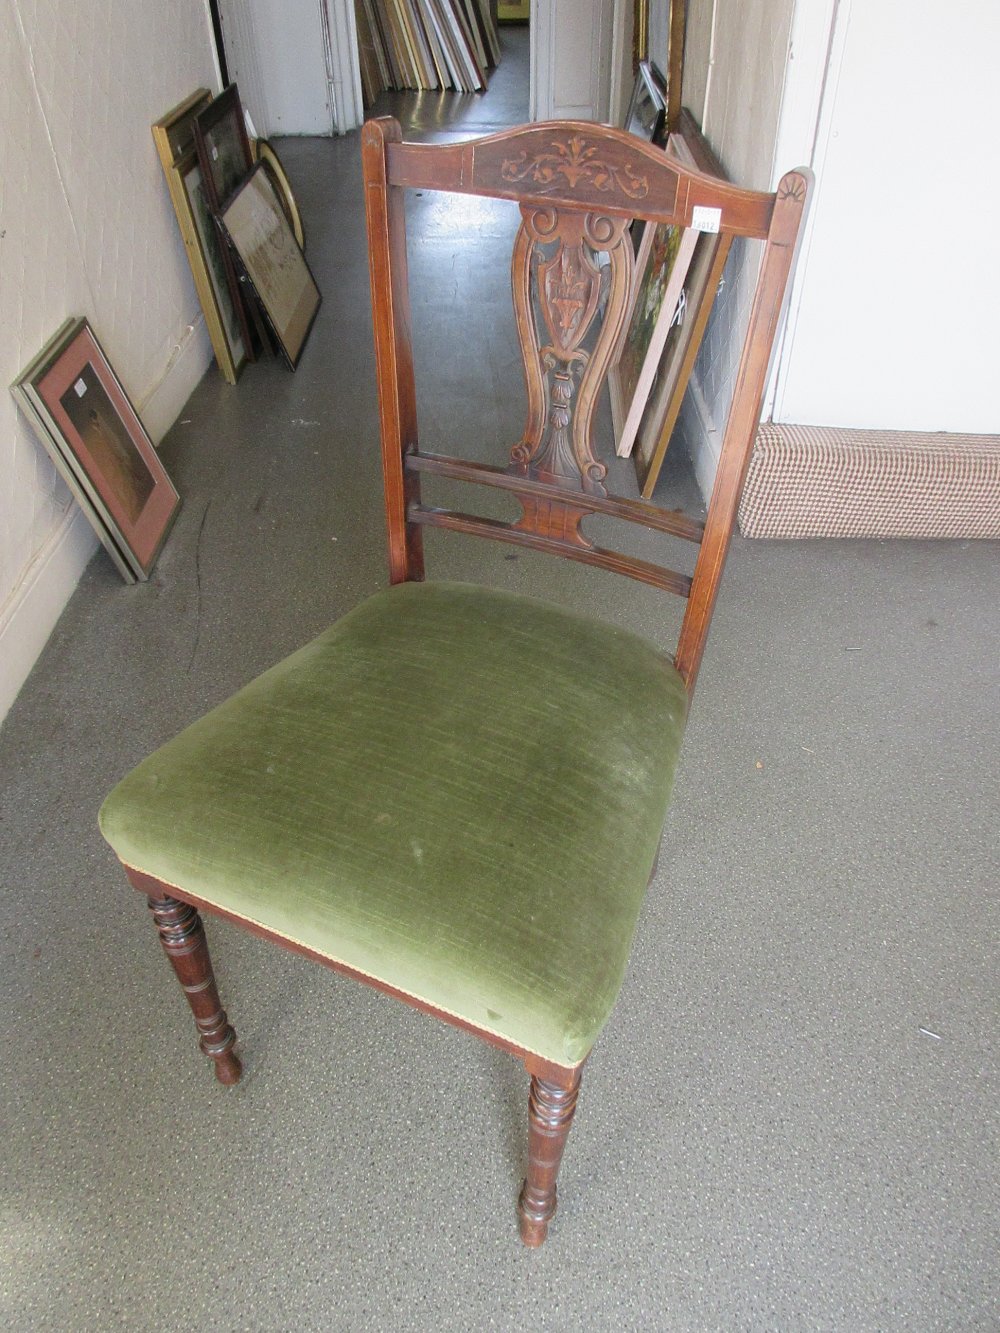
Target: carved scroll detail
563, 376
570, 162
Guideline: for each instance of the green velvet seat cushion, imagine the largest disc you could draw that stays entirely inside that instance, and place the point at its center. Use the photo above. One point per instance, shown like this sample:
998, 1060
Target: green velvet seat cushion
454, 790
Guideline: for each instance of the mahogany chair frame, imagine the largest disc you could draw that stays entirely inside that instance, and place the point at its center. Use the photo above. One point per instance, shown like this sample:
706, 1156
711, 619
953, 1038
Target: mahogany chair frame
578, 186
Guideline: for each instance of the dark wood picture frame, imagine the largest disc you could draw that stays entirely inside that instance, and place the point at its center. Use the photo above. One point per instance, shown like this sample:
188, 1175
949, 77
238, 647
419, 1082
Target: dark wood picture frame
84, 418
173, 135
646, 116
223, 145
265, 250
225, 158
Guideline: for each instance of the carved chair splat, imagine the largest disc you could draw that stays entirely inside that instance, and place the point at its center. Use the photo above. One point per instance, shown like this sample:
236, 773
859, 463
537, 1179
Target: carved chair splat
296, 807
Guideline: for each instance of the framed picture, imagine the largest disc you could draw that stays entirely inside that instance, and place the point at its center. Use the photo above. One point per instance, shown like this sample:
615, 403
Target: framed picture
665, 253
640, 31
82, 414
262, 240
174, 139
220, 135
225, 161
263, 152
704, 278
647, 110
173, 133
663, 404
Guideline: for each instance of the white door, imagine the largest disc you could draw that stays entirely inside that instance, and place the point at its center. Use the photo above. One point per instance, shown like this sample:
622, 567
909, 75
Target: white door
571, 44
277, 53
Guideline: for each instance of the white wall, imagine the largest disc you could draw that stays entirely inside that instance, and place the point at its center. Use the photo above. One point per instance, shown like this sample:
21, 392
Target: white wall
86, 228
895, 325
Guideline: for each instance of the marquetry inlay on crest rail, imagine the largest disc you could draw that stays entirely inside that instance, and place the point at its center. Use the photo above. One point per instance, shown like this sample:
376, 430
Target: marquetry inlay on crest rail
571, 161
555, 272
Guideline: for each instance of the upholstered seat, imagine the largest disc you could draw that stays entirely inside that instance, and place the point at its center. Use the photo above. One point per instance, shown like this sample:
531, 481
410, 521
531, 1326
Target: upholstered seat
456, 791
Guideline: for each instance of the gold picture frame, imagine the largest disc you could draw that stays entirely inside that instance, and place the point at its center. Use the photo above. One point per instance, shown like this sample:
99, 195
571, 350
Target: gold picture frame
173, 135
264, 152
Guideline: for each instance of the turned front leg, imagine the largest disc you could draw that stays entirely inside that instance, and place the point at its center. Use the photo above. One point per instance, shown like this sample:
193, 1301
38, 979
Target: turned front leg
183, 938
550, 1114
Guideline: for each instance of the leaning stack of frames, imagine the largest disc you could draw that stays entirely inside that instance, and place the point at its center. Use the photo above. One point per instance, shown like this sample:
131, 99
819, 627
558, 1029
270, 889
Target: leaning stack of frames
425, 44
676, 282
225, 318
255, 287
456, 794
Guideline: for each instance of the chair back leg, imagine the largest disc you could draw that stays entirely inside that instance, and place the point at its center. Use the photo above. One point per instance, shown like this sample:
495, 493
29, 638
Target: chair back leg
183, 938
550, 1114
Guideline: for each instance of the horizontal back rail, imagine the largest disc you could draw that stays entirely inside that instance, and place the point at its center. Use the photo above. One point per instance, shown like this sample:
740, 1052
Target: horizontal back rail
474, 525
672, 522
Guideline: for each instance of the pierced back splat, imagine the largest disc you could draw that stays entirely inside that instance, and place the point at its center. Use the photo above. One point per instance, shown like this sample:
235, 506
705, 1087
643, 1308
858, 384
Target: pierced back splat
557, 284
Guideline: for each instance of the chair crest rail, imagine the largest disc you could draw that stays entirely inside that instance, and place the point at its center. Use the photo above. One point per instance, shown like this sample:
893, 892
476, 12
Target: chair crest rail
607, 170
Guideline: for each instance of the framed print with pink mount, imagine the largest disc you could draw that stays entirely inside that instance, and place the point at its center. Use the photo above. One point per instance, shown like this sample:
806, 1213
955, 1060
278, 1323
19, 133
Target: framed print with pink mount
83, 416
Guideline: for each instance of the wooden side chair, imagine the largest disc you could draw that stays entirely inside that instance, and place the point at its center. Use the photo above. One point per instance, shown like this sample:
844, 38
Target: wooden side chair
456, 794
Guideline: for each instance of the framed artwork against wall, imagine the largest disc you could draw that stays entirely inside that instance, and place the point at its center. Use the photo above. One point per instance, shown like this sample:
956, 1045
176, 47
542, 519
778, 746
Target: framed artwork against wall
83, 417
225, 160
670, 380
647, 109
263, 241
684, 337
264, 152
665, 253
220, 135
173, 135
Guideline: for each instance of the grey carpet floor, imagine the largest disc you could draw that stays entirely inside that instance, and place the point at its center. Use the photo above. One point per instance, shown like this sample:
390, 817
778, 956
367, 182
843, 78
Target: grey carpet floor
790, 1122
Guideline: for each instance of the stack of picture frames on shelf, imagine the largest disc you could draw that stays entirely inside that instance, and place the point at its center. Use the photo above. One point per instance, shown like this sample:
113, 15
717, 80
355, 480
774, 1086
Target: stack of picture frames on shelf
82, 415
678, 273
255, 289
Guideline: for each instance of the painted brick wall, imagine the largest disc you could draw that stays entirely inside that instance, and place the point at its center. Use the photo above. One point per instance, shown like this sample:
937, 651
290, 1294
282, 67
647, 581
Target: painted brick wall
86, 228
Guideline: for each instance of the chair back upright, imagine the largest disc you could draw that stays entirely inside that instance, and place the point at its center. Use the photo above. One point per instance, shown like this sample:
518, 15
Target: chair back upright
578, 186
